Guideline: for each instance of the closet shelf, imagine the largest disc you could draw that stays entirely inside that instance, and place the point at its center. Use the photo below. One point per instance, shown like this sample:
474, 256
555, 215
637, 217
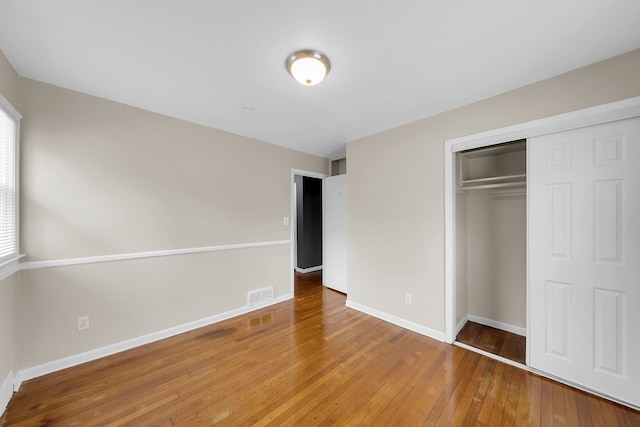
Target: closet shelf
505, 181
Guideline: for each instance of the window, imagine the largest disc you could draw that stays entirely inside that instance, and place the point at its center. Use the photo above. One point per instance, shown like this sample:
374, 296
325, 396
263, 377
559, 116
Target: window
9, 135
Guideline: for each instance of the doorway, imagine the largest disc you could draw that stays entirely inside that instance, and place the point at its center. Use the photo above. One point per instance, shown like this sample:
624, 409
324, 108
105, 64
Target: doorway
491, 230
309, 259
308, 224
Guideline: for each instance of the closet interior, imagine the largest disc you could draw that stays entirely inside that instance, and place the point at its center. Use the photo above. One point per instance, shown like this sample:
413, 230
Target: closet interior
491, 228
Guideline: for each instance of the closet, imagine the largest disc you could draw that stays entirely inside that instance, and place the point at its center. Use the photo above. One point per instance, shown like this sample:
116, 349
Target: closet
491, 244
541, 239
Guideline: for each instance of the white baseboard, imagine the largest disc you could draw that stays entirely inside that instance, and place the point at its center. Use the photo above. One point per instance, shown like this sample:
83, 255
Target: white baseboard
491, 355
308, 270
460, 325
87, 356
6, 392
423, 330
17, 382
498, 325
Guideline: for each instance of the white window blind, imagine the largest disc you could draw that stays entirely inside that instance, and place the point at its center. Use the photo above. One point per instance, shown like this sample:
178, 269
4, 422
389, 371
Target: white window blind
9, 129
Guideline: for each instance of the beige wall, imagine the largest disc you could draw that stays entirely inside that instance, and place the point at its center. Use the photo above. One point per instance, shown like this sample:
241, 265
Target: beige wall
9, 82
496, 267
102, 178
8, 328
9, 87
396, 185
133, 298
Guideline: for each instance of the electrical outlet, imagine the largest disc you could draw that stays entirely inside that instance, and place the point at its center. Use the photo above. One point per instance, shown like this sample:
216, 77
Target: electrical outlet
407, 298
83, 323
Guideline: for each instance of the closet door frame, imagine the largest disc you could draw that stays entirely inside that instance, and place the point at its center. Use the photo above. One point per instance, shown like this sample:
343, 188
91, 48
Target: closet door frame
605, 113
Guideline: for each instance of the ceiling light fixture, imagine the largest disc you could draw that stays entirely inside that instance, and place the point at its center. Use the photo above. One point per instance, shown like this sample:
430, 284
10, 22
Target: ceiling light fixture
308, 66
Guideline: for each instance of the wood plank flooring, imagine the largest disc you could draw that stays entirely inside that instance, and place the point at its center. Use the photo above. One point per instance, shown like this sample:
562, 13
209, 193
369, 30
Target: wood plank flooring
494, 341
305, 362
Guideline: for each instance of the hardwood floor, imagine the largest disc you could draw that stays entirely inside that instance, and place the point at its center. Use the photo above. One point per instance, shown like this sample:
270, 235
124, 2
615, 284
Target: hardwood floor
494, 341
308, 361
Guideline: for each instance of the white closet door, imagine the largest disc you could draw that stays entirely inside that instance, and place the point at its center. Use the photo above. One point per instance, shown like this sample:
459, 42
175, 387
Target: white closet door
334, 241
584, 257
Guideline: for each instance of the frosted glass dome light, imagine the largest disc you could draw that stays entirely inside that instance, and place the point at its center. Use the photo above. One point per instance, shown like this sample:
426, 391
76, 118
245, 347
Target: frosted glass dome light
308, 67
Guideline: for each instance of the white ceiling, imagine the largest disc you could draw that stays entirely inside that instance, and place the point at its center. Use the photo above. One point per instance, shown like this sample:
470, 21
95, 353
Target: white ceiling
393, 62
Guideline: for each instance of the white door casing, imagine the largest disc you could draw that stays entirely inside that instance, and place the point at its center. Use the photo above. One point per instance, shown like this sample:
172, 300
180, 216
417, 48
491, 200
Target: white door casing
584, 257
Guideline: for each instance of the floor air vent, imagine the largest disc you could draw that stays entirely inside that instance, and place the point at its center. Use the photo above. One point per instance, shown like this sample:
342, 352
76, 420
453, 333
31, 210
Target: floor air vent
258, 295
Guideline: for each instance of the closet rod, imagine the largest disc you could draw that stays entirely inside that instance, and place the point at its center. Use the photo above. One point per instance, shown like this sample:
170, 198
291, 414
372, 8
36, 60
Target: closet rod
521, 176
501, 185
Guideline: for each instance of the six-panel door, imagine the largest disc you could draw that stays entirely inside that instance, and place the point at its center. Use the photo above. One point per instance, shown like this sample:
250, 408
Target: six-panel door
584, 257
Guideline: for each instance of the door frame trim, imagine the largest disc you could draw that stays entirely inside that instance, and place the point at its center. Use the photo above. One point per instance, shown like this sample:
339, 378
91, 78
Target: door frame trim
605, 113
